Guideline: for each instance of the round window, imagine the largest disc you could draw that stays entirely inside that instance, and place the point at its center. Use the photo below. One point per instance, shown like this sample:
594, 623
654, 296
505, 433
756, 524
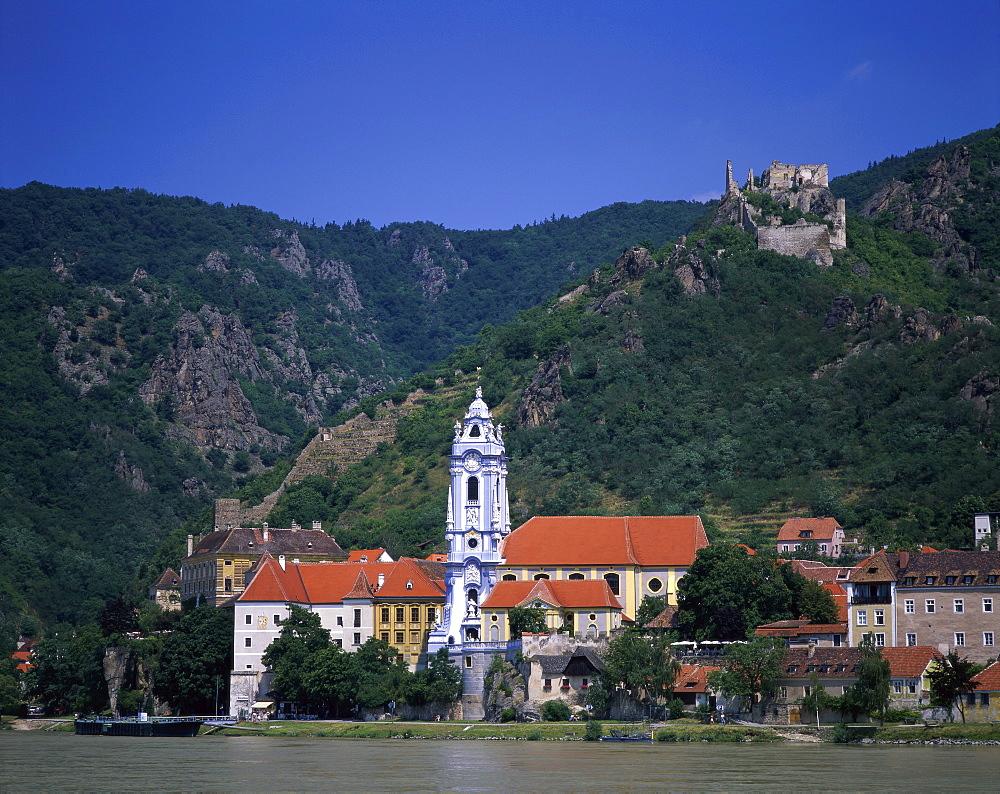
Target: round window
593, 616
494, 618
473, 543
655, 585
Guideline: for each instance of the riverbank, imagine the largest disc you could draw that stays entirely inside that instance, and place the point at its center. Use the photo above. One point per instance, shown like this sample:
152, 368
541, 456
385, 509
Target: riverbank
944, 734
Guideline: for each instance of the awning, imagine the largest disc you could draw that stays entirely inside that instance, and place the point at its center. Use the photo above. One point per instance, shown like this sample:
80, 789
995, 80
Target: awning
263, 704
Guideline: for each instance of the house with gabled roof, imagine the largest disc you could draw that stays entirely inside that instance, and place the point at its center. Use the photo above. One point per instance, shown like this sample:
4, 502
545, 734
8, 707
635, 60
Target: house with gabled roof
216, 565
801, 633
636, 555
825, 534
691, 685
585, 607
983, 704
399, 602
166, 590
368, 555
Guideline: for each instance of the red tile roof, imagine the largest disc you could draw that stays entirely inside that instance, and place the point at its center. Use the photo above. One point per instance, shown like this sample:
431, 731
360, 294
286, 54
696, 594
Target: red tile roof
169, 578
364, 555
332, 582
797, 628
988, 679
821, 528
910, 662
693, 678
568, 593
437, 558
667, 619
569, 541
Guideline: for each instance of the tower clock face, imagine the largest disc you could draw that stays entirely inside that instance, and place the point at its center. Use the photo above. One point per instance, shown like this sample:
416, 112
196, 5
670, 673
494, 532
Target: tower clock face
262, 622
472, 461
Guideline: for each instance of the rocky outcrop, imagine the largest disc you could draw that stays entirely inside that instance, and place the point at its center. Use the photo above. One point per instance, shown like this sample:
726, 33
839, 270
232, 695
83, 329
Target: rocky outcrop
633, 264
919, 327
130, 473
544, 393
842, 312
341, 274
198, 379
877, 310
569, 297
606, 304
696, 276
927, 207
290, 252
215, 262
505, 688
433, 279
981, 390
633, 342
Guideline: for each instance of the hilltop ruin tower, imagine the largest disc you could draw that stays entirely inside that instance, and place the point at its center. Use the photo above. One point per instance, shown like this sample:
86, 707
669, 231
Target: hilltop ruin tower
806, 187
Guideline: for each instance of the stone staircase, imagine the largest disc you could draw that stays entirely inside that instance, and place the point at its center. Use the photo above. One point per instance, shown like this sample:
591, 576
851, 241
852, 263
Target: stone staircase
343, 445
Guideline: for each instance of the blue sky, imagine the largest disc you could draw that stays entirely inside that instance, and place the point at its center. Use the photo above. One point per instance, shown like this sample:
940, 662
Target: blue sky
477, 114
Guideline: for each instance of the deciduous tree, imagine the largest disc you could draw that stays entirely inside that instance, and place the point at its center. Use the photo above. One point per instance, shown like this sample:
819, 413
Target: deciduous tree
951, 682
751, 669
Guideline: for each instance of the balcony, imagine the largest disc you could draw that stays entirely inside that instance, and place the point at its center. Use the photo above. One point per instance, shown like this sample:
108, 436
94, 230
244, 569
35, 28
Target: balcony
871, 599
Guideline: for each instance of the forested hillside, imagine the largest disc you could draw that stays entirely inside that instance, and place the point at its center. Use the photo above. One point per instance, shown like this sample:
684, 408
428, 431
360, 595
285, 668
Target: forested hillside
159, 351
717, 378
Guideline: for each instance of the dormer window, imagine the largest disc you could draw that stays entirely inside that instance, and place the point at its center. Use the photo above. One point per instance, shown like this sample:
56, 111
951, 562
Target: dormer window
806, 533
909, 580
409, 584
949, 580
930, 580
966, 579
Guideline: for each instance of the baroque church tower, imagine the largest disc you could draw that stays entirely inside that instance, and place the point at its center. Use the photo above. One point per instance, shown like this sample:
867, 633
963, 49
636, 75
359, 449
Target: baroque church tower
477, 520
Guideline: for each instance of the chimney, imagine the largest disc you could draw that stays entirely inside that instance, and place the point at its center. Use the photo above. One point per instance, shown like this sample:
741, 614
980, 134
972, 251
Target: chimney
318, 525
904, 559
264, 532
190, 545
281, 561
381, 579
812, 648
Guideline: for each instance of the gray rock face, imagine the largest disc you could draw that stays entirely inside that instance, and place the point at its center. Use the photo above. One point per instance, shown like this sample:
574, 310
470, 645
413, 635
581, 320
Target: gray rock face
544, 393
130, 474
199, 376
633, 264
604, 306
290, 252
215, 262
433, 279
696, 276
842, 312
981, 390
340, 273
919, 327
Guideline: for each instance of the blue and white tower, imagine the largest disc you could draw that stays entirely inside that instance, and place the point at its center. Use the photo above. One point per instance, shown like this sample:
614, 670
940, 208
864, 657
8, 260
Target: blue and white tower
478, 519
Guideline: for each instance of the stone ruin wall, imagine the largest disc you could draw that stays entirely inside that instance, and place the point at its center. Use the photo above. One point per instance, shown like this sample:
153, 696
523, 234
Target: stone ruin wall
804, 240
781, 176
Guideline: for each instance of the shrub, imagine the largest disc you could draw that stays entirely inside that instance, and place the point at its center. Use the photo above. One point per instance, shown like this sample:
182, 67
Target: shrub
534, 736
593, 732
508, 715
555, 710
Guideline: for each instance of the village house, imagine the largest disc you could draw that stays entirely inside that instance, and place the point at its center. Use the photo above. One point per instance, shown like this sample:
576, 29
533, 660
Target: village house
215, 566
801, 633
586, 608
983, 704
566, 676
166, 590
691, 686
825, 535
399, 602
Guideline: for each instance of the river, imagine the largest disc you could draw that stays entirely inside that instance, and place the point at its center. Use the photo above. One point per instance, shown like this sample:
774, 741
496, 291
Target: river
39, 761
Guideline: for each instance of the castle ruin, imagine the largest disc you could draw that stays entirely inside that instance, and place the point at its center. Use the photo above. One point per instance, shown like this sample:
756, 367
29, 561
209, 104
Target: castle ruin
806, 187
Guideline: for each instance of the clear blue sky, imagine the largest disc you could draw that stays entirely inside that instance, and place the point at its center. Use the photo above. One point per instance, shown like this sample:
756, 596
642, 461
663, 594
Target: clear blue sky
477, 113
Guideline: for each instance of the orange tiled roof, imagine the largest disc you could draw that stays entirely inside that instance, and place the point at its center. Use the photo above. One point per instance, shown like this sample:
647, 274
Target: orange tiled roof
568, 593
364, 555
693, 678
667, 619
910, 662
796, 628
331, 582
436, 558
821, 528
568, 541
169, 578
988, 679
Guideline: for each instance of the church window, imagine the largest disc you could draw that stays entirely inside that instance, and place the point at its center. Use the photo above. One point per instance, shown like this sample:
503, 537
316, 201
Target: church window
509, 577
593, 616
468, 661
541, 576
473, 489
475, 432
494, 618
473, 543
576, 576
655, 585
614, 582
431, 614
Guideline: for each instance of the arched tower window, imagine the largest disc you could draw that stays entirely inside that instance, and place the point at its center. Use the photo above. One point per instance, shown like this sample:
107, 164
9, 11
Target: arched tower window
475, 432
614, 582
473, 489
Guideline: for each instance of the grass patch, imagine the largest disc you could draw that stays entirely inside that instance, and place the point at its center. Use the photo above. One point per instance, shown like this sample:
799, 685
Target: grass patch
971, 732
715, 733
430, 730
